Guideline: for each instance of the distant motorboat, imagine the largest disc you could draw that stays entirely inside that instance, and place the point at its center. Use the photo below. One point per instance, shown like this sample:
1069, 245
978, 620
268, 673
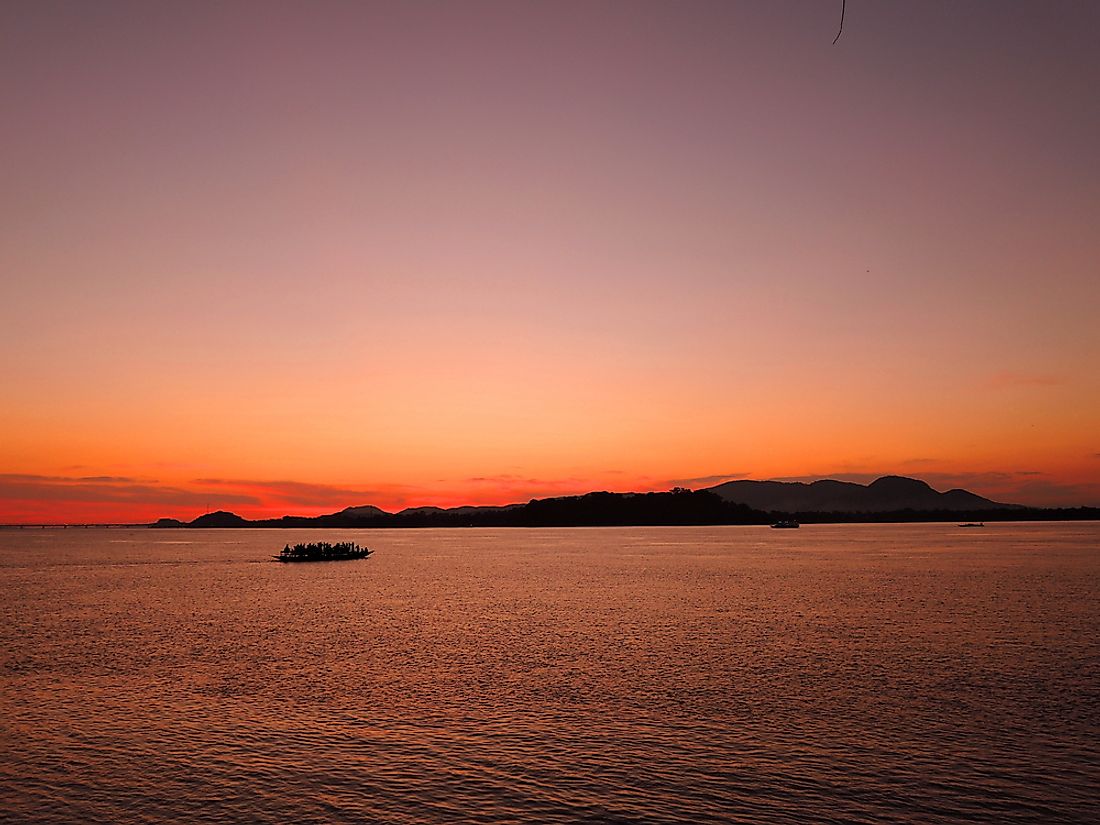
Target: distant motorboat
786, 524
973, 524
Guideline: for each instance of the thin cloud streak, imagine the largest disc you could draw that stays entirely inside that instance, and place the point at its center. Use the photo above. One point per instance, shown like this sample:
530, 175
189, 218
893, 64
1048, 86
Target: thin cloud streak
299, 493
706, 481
104, 489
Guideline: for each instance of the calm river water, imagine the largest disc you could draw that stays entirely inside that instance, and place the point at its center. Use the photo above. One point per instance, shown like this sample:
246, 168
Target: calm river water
863, 674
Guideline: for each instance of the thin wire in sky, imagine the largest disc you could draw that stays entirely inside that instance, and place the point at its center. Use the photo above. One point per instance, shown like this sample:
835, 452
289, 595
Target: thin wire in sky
840, 31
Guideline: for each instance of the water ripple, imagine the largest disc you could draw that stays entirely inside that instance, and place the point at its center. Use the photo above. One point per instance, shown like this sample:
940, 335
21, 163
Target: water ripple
870, 674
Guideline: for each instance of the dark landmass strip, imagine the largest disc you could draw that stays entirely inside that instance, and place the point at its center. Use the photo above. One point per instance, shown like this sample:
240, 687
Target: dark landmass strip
592, 509
891, 499
889, 494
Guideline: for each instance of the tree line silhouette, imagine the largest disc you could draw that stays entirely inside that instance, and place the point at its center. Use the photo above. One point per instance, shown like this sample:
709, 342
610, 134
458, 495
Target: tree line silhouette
602, 509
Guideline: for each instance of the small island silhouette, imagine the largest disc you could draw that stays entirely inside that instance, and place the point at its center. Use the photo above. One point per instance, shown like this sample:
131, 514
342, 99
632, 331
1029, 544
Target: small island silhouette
888, 499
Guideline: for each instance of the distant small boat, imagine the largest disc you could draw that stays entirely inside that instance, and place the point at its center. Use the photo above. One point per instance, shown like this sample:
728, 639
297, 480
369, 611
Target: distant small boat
785, 525
322, 551
973, 524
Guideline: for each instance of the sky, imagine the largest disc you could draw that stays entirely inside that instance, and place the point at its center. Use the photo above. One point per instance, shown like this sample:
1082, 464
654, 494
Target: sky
289, 257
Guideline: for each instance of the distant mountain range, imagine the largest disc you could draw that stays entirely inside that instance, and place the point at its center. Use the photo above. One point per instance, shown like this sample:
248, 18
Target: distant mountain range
592, 509
885, 495
891, 498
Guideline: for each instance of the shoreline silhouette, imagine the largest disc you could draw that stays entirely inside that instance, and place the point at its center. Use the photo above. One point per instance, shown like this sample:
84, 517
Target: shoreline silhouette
891, 499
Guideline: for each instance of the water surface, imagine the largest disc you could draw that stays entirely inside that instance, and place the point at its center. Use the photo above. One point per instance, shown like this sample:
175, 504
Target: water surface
841, 673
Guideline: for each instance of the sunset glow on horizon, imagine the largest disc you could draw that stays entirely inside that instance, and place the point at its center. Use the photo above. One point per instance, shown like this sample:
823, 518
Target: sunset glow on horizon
285, 259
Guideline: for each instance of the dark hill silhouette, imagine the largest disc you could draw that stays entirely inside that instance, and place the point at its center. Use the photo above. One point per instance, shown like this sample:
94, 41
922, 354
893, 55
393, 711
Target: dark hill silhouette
680, 507
219, 519
889, 499
364, 511
611, 509
421, 511
885, 495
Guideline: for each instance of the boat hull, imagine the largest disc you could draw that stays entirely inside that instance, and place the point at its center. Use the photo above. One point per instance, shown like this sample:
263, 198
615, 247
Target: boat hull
293, 560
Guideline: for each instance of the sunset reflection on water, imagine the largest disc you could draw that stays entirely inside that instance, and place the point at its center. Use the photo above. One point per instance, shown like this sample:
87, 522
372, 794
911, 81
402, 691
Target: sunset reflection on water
900, 673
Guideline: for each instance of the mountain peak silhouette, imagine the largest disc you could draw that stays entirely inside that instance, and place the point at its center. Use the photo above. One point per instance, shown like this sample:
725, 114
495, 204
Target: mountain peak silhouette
883, 495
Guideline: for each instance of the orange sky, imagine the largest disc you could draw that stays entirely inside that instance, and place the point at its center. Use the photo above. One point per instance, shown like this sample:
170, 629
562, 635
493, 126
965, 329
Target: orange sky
401, 254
